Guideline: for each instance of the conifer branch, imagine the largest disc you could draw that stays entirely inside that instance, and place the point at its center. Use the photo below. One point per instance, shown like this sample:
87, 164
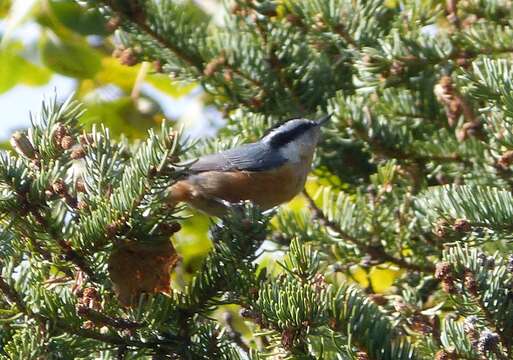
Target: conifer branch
276, 65
377, 252
403, 124
69, 253
102, 319
396, 153
491, 324
144, 27
15, 298
12, 295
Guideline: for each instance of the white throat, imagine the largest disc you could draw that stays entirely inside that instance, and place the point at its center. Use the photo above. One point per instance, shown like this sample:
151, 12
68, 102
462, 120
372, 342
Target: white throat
292, 151
297, 152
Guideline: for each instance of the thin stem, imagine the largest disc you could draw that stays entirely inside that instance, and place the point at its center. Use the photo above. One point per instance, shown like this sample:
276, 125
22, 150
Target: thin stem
246, 77
141, 76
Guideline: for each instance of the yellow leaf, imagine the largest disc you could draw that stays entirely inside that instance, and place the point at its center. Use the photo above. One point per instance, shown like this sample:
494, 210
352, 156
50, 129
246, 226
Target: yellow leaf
391, 4
360, 275
112, 72
297, 204
382, 279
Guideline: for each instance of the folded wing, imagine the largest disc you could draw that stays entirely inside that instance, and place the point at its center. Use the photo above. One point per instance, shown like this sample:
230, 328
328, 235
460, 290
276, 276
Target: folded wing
249, 157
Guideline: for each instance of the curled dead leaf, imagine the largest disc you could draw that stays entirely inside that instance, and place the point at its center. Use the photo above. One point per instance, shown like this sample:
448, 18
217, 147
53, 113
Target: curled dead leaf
141, 267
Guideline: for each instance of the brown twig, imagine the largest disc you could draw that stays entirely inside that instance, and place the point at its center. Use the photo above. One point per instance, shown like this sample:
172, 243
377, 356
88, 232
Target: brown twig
375, 251
234, 334
12, 295
340, 29
246, 77
69, 253
452, 13
505, 174
99, 318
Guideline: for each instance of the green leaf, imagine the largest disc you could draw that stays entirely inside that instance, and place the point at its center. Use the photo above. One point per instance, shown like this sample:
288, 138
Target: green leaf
112, 72
5, 5
81, 19
4, 145
34, 75
76, 59
10, 71
14, 69
124, 116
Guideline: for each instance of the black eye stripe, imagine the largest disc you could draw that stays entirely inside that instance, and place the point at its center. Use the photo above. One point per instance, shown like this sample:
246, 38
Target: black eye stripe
282, 138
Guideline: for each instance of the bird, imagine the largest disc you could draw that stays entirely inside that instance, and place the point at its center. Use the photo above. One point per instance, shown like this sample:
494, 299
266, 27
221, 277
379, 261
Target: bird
268, 172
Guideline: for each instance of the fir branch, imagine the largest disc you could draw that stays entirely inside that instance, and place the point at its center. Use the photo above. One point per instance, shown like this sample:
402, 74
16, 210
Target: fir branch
139, 21
237, 240
491, 324
480, 205
12, 295
144, 179
394, 100
378, 147
35, 209
480, 279
69, 253
377, 252
353, 314
100, 318
278, 69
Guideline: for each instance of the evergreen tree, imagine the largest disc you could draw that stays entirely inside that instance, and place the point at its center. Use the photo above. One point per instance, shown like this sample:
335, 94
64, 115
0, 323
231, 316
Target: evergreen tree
413, 178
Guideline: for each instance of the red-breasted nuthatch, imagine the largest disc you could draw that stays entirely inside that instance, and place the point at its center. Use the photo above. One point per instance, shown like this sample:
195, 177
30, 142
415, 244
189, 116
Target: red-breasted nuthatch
268, 172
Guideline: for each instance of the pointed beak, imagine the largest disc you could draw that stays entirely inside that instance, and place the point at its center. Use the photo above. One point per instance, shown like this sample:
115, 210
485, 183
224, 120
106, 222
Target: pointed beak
324, 119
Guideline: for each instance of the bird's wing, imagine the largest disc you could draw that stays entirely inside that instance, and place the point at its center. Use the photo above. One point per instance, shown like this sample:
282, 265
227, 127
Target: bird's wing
249, 157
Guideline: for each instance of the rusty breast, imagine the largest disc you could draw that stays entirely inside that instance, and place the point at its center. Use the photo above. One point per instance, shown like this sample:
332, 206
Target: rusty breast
266, 189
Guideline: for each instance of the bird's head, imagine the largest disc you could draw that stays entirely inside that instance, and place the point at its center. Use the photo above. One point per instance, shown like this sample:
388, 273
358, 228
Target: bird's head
296, 139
